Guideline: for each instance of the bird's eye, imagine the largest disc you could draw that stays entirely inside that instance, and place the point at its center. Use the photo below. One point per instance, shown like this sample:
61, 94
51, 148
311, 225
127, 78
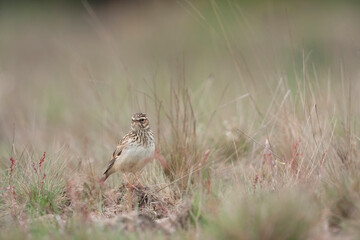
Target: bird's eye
142, 120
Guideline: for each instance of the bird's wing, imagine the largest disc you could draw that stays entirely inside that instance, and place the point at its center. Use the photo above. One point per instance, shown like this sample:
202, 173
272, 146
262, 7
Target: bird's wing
119, 148
111, 163
115, 155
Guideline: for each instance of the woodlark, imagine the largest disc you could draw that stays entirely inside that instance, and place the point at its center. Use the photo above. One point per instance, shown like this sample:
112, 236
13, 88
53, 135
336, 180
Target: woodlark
134, 150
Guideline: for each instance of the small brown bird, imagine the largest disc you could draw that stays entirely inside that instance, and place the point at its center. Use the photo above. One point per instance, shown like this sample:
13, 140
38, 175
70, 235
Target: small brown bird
134, 150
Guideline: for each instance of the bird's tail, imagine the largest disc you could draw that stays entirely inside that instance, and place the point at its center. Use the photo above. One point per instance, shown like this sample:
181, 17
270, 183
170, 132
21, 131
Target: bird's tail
108, 171
103, 178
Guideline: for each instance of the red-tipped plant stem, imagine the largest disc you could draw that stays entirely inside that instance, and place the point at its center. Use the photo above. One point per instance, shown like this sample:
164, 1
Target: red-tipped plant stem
12, 164
11, 188
40, 176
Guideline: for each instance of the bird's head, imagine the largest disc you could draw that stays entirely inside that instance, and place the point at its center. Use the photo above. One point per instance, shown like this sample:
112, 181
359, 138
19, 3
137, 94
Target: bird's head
139, 122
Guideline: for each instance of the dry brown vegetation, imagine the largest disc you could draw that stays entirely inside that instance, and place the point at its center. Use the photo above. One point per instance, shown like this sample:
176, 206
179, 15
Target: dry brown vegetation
254, 109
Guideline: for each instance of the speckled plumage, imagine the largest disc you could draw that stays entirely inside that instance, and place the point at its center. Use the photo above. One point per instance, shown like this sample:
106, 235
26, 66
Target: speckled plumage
134, 149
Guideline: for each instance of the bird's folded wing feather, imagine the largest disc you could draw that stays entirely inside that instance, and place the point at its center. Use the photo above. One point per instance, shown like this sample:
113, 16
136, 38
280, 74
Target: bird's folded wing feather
115, 154
119, 148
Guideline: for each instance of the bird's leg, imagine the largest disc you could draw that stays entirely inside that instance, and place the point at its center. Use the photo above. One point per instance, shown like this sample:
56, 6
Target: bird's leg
127, 180
138, 180
129, 195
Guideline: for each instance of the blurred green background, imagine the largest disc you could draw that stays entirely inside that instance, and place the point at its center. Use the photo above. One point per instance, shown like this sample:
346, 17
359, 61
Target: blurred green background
225, 76
76, 69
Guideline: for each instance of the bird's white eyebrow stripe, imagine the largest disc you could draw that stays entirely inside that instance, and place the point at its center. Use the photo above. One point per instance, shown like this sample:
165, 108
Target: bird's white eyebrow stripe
137, 119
